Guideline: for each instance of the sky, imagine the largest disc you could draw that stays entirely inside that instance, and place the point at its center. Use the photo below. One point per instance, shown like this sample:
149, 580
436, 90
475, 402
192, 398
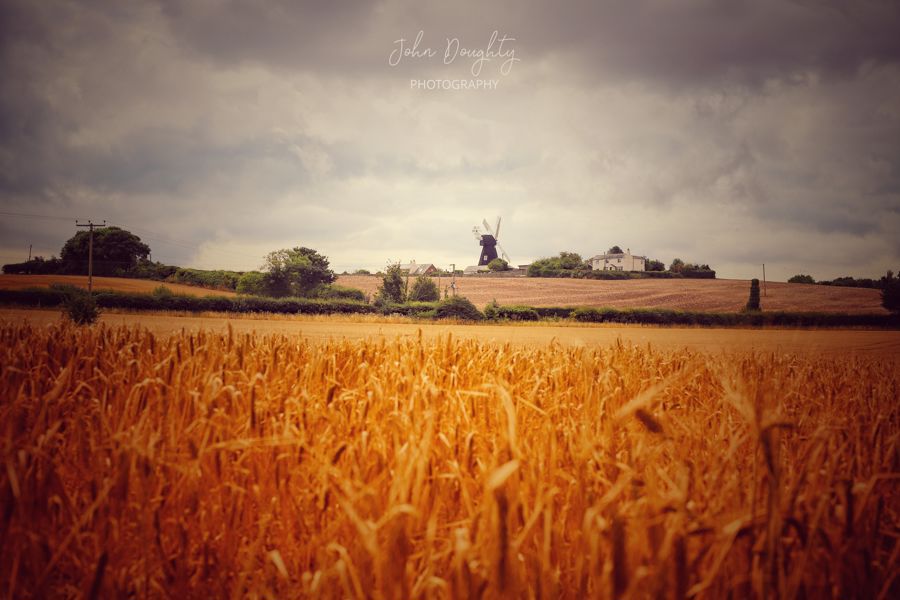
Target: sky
730, 133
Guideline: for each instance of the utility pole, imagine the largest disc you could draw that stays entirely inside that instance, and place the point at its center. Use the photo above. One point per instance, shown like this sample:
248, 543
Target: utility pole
412, 263
29, 252
453, 278
764, 280
90, 226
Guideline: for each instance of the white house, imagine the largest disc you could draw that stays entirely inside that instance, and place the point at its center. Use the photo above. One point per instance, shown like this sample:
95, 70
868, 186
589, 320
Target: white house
624, 261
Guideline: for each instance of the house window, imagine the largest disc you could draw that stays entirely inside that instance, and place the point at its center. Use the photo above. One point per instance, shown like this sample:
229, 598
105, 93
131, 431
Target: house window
620, 260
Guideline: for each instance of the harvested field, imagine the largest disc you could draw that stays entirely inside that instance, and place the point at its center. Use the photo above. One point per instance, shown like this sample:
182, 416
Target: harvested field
715, 295
116, 284
217, 464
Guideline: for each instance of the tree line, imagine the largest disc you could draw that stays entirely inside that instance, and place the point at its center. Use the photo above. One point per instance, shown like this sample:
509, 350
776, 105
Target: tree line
572, 265
290, 272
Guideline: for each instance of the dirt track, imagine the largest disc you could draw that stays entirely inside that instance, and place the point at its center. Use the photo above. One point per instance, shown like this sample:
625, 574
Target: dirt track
718, 295
824, 342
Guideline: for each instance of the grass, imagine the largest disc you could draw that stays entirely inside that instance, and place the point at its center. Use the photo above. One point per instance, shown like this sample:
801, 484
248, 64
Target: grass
206, 464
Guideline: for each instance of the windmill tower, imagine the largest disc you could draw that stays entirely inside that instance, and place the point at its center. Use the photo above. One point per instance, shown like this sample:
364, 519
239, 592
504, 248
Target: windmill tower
489, 243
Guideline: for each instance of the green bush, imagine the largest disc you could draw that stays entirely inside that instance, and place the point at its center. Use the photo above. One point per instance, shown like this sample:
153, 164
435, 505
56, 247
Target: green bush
490, 311
35, 266
37, 297
511, 313
339, 292
801, 279
498, 264
162, 292
553, 312
852, 282
148, 270
752, 319
424, 289
457, 307
220, 280
548, 271
691, 273
890, 292
409, 309
80, 307
567, 264
608, 275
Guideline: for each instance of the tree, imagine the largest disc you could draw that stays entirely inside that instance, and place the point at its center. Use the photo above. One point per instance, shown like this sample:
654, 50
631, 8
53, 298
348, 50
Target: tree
753, 301
655, 265
115, 250
252, 283
424, 289
296, 272
890, 292
498, 264
801, 279
570, 260
677, 265
564, 265
615, 250
393, 287
36, 266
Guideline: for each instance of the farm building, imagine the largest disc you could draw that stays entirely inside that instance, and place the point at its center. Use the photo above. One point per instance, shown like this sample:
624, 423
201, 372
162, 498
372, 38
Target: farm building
416, 269
622, 261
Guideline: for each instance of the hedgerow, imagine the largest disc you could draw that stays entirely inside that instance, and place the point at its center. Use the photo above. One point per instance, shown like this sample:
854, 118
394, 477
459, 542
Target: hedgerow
458, 307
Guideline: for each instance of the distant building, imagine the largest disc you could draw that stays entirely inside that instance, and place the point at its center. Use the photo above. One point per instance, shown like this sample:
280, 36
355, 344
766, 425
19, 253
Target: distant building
623, 261
416, 269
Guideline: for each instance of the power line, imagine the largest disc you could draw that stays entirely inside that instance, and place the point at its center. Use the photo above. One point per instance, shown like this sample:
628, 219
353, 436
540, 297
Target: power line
152, 235
34, 216
148, 235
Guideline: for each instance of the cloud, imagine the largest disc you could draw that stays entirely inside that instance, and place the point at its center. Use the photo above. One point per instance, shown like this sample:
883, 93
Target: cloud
721, 132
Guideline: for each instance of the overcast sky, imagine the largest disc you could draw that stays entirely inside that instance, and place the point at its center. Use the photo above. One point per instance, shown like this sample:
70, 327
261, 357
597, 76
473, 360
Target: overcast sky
727, 132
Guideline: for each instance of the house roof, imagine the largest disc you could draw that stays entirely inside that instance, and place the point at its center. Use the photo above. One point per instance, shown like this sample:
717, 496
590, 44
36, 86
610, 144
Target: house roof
417, 269
617, 255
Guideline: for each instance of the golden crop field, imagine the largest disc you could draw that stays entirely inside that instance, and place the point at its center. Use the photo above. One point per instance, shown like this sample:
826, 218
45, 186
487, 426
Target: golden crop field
226, 464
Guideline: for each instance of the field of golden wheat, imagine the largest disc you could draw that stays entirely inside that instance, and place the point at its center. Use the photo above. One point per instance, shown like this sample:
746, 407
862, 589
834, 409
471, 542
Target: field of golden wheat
228, 464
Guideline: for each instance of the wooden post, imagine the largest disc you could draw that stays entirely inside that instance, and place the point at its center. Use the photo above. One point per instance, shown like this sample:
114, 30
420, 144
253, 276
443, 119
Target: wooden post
90, 226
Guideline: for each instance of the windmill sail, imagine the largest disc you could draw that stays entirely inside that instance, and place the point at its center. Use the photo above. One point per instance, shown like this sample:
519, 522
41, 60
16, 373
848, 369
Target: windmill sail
488, 242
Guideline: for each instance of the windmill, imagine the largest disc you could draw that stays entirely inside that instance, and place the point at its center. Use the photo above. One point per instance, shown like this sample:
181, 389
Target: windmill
489, 242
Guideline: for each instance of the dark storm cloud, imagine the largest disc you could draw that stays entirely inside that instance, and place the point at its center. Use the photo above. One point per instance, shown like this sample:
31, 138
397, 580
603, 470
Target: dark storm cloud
680, 43
281, 32
737, 41
252, 122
